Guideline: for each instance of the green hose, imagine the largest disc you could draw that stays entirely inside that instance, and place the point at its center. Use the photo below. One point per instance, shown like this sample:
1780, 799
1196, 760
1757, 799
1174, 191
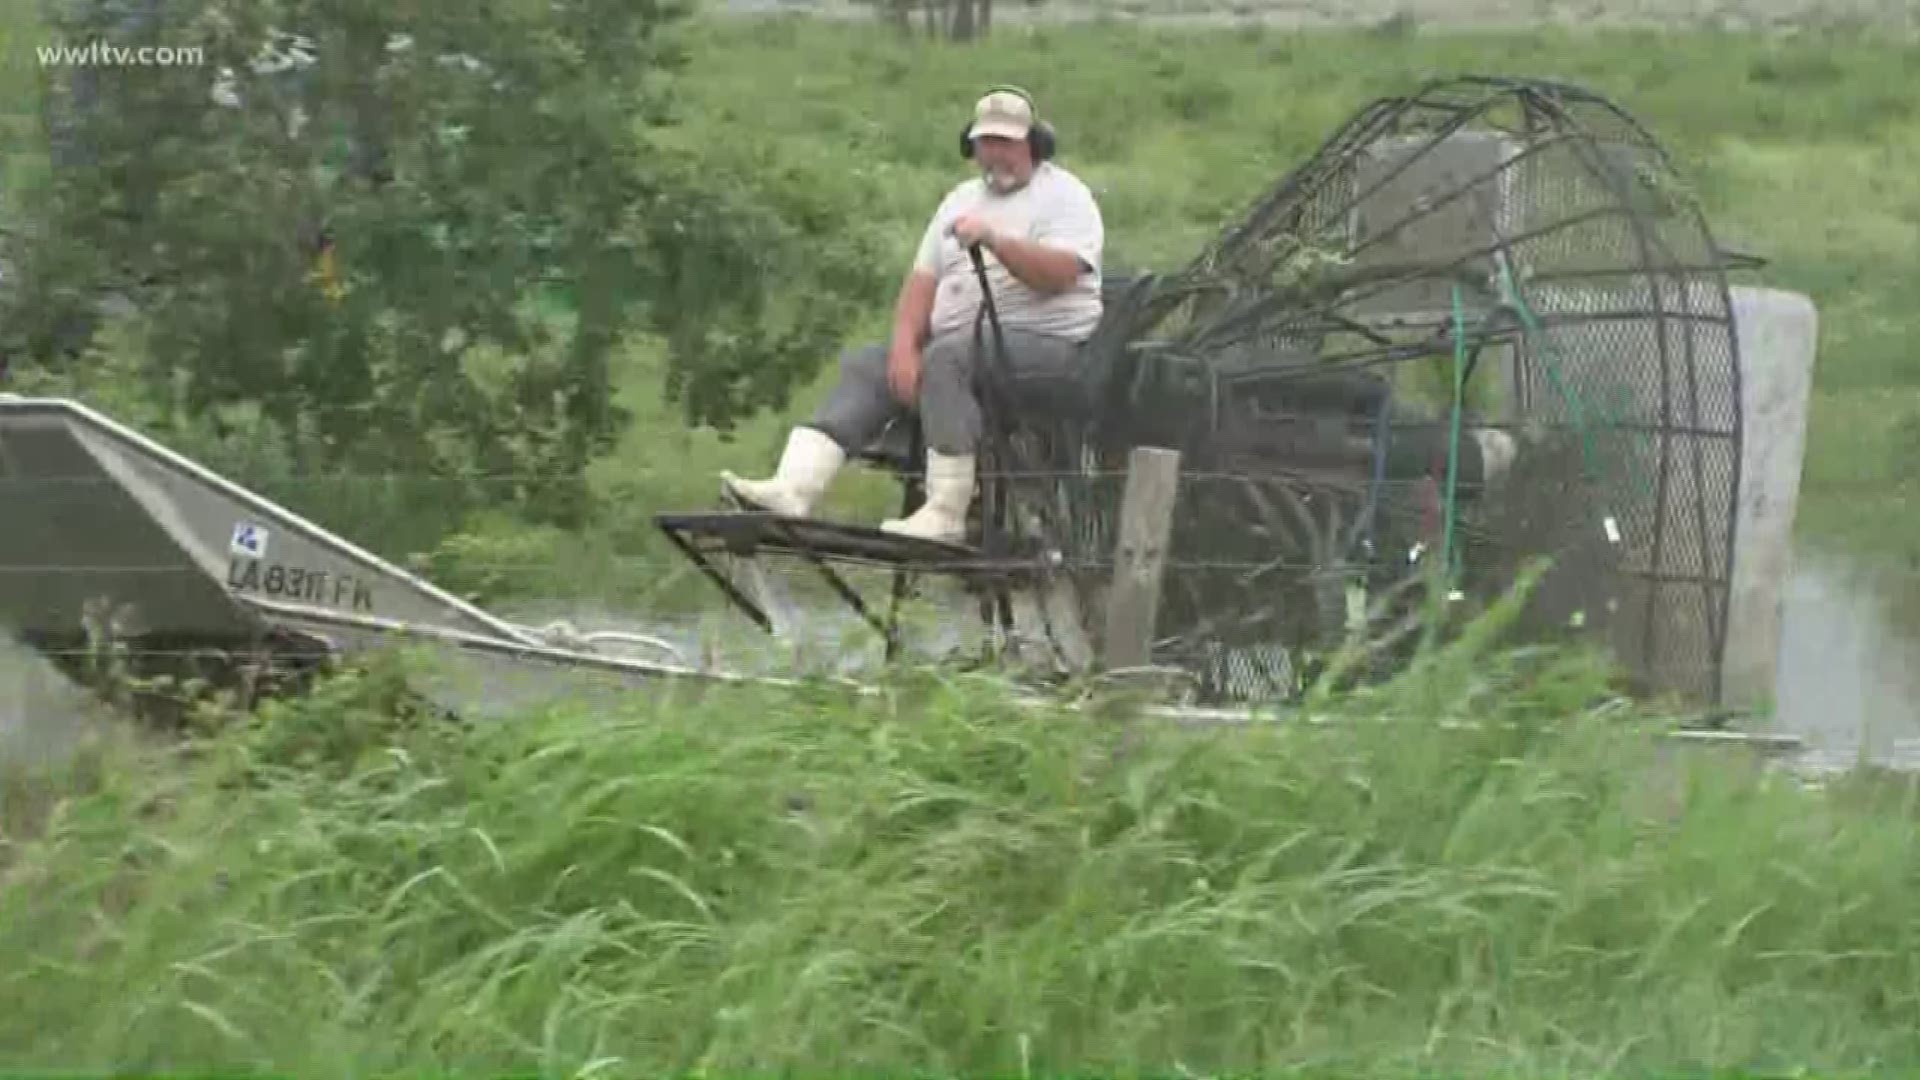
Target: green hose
1547, 353
1531, 322
1447, 555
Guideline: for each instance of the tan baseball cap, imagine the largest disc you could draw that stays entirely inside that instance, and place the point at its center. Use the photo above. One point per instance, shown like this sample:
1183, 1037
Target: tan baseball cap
1004, 113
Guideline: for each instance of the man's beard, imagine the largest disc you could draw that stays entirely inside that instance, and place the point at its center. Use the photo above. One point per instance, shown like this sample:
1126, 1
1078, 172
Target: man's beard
1001, 181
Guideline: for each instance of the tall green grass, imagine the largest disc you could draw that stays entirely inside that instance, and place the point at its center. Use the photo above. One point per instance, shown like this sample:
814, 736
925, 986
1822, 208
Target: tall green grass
1489, 867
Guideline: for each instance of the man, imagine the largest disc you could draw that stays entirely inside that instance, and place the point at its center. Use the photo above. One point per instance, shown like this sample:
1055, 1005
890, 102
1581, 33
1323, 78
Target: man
1040, 235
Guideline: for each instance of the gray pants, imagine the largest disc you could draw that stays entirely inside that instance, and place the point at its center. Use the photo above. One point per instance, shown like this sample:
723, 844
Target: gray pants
862, 403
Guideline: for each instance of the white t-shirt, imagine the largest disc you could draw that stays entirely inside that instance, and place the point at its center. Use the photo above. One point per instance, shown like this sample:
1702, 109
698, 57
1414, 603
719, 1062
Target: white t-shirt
1054, 208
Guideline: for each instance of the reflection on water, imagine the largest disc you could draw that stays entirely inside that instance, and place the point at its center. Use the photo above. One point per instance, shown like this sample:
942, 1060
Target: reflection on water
43, 716
821, 635
1848, 680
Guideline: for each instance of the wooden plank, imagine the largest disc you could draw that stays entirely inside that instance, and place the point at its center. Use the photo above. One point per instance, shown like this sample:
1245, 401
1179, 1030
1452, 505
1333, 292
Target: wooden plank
1146, 519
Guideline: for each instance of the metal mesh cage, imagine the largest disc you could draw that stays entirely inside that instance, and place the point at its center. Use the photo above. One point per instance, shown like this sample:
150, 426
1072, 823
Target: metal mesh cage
1485, 321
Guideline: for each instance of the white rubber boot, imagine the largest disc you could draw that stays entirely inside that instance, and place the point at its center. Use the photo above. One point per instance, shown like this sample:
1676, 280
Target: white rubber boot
949, 492
806, 468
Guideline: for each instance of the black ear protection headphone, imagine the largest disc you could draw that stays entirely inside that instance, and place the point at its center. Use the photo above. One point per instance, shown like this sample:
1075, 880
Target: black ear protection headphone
1040, 137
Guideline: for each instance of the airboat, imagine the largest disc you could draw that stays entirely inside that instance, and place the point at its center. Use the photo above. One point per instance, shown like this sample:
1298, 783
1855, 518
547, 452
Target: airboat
1485, 325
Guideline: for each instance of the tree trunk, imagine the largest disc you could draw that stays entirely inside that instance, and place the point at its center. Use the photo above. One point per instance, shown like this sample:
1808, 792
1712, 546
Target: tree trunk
962, 21
986, 16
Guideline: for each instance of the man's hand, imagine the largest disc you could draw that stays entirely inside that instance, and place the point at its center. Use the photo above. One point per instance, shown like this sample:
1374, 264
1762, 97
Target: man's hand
971, 229
903, 373
1044, 269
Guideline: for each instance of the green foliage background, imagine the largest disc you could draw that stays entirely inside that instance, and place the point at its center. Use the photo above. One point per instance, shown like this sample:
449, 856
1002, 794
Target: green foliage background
501, 199
806, 156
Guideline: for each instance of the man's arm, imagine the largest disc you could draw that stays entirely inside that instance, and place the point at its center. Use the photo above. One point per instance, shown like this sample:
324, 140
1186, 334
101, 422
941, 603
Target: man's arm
1067, 240
912, 313
1041, 267
910, 329
913, 309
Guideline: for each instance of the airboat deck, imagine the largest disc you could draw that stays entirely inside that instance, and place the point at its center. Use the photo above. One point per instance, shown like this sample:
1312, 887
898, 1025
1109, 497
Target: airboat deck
741, 536
748, 532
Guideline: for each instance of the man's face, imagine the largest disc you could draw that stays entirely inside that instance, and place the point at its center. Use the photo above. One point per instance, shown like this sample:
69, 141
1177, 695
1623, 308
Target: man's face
1006, 163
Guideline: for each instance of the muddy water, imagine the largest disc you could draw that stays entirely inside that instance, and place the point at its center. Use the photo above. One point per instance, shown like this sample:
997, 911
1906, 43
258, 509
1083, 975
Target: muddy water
1849, 680
820, 635
43, 717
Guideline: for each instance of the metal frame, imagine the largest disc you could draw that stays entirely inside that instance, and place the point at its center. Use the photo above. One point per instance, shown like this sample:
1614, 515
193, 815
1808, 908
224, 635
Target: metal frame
1228, 298
823, 545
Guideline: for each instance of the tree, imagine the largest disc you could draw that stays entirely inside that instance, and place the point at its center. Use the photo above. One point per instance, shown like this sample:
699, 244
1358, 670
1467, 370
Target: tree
412, 234
954, 20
